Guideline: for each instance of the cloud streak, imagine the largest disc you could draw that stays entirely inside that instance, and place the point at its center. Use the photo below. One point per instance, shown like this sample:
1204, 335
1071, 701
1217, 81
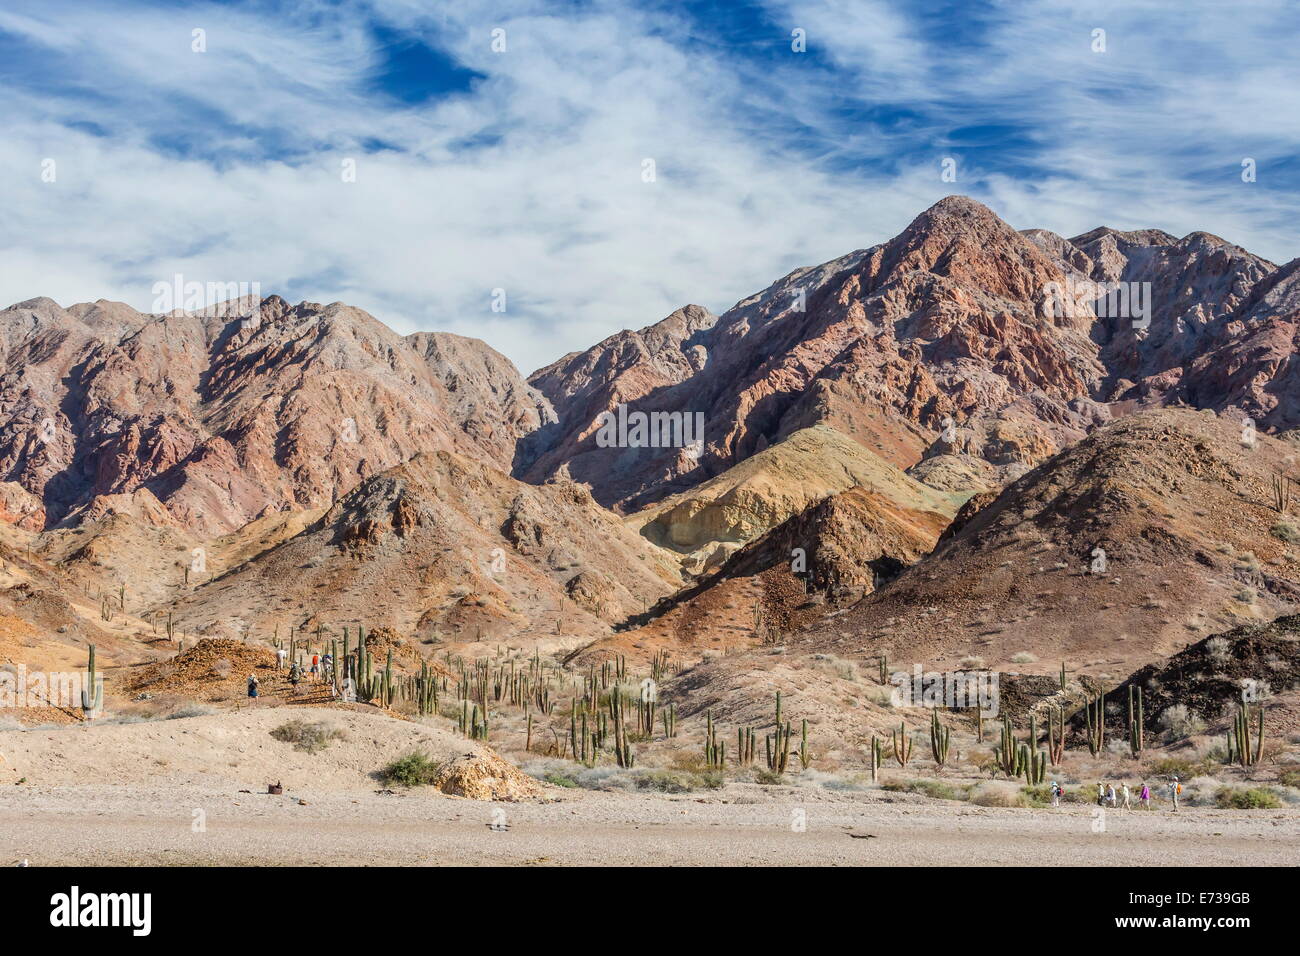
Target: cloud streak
227, 165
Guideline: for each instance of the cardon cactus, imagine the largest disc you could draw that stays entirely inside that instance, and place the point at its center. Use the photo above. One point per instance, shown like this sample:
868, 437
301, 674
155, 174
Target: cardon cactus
1095, 714
1056, 735
1135, 719
92, 695
1005, 753
1239, 746
939, 735
902, 745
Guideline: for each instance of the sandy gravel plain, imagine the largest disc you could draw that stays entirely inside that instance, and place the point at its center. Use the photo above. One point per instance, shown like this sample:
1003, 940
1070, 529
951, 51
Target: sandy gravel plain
171, 792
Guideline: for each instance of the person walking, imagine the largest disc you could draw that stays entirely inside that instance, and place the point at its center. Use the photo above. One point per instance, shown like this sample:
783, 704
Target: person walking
280, 655
1101, 795
1175, 788
252, 685
315, 666
1056, 794
1127, 803
1110, 795
1144, 797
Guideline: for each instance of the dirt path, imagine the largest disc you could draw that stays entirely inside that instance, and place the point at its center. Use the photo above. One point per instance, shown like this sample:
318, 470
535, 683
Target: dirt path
135, 825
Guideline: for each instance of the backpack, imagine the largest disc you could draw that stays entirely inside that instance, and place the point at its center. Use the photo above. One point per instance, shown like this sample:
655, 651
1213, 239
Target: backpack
1180, 788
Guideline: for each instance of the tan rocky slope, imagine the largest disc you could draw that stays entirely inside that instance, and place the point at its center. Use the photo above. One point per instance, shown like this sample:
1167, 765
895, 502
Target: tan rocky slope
828, 555
208, 420
1192, 543
444, 549
707, 523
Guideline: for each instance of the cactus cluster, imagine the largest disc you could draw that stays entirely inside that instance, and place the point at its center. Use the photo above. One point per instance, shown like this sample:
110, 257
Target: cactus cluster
1095, 715
939, 736
1135, 720
778, 742
902, 744
1239, 745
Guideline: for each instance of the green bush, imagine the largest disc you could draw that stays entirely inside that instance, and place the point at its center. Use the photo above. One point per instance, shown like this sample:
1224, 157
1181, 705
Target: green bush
1290, 777
1253, 798
416, 769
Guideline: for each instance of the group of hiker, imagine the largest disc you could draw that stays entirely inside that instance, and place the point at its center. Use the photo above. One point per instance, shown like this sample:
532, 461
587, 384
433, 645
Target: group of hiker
320, 665
1107, 796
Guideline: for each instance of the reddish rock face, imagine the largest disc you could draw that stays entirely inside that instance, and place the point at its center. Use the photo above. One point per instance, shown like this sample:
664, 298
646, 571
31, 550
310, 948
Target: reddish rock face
947, 340
943, 343
222, 419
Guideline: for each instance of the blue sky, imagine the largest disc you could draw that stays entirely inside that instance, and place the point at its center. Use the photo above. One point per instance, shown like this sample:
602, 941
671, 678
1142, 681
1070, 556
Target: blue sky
521, 169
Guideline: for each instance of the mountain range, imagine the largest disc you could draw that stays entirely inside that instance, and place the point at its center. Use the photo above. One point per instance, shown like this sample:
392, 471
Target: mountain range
912, 449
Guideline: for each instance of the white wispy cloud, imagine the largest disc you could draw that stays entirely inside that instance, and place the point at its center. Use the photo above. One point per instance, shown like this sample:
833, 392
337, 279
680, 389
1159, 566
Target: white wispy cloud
226, 165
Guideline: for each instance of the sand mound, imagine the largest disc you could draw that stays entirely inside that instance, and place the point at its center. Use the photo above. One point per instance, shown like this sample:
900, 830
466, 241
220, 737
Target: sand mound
485, 776
238, 751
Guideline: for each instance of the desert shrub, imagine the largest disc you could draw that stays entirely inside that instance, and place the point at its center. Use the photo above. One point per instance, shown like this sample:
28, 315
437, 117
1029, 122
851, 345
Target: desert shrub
1023, 657
1287, 532
1178, 723
558, 777
1247, 798
670, 781
221, 668
971, 663
1182, 767
1217, 648
1290, 777
1039, 796
934, 789
997, 793
191, 710
416, 769
309, 737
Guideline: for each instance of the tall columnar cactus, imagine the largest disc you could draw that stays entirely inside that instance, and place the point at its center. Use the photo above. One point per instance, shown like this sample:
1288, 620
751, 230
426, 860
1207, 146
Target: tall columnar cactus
1033, 765
884, 668
745, 738
1006, 753
1063, 682
1281, 493
1095, 715
902, 744
669, 717
92, 695
1056, 735
1135, 719
715, 752
623, 752
1239, 745
939, 735
805, 755
877, 757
